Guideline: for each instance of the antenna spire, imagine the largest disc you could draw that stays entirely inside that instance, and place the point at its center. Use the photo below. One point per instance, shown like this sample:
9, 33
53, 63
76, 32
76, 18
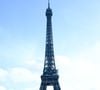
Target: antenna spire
48, 3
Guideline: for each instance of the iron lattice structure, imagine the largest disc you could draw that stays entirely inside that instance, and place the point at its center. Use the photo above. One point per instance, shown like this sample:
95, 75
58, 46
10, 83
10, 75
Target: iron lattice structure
50, 75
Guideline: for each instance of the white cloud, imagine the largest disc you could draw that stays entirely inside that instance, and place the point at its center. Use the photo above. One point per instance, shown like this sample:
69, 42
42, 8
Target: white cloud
83, 72
3, 74
75, 74
91, 54
22, 75
62, 60
2, 88
33, 63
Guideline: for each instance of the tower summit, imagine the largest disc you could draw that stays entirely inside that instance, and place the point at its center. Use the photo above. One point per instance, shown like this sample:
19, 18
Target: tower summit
50, 76
48, 3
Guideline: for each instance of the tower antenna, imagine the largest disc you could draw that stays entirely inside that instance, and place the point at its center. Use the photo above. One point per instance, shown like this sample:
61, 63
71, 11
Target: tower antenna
48, 3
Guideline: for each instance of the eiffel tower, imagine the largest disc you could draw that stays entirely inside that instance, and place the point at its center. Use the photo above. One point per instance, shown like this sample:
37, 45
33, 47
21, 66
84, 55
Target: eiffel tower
50, 75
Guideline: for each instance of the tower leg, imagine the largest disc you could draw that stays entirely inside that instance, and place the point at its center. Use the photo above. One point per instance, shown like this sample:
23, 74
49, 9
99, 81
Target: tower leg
42, 87
57, 87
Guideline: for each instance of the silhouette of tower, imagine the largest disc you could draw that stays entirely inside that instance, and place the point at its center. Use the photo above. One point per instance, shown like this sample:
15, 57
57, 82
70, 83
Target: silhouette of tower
50, 76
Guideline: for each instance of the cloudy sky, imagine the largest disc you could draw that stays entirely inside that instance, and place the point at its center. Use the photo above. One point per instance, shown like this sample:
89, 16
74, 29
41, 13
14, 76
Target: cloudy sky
76, 30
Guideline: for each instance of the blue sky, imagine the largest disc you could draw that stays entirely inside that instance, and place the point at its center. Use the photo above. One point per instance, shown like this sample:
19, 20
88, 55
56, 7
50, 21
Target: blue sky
76, 30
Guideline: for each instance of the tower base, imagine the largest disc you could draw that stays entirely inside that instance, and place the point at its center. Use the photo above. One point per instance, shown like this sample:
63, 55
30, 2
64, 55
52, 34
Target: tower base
49, 81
